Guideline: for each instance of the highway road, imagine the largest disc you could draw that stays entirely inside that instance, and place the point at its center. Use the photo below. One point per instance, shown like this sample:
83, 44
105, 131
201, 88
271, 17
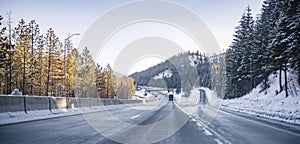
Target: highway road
162, 122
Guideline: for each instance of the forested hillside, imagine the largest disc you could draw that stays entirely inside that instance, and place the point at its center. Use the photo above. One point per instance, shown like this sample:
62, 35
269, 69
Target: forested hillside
185, 70
267, 45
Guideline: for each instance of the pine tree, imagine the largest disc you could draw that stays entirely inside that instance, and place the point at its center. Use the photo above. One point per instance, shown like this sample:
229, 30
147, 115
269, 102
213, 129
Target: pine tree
75, 72
57, 73
230, 90
293, 38
10, 51
7, 51
263, 37
22, 56
3, 59
87, 78
71, 65
53, 53
240, 58
280, 43
34, 38
100, 81
108, 75
40, 67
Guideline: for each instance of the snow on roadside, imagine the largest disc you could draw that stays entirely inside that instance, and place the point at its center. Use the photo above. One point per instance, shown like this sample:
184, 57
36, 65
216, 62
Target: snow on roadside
270, 105
192, 99
188, 105
212, 97
21, 116
142, 94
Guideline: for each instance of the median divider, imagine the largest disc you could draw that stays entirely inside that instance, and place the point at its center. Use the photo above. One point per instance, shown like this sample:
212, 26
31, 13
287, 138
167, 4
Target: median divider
72, 103
32, 103
58, 102
11, 103
83, 102
36, 103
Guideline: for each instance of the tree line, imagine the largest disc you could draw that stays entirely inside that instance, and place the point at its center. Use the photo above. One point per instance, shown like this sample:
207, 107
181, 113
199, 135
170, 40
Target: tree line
267, 45
34, 63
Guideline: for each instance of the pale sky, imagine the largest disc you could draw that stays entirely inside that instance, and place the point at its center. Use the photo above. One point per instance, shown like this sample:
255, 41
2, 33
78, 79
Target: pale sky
76, 16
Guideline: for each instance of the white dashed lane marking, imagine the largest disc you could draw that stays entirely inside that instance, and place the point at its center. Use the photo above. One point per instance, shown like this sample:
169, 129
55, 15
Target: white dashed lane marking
135, 116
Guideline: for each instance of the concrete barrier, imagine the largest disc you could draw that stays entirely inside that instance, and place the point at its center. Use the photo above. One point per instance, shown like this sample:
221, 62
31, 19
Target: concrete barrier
37, 103
106, 102
72, 103
83, 102
16, 103
96, 102
58, 102
118, 102
122, 101
11, 103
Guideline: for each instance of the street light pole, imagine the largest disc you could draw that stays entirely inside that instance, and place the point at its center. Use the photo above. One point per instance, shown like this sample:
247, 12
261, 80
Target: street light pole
65, 56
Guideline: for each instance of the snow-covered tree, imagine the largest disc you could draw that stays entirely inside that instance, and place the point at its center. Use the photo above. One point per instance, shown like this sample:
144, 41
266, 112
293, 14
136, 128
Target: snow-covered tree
240, 57
293, 38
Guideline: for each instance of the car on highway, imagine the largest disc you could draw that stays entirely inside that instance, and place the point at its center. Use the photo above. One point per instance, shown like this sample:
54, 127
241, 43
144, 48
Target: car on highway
171, 97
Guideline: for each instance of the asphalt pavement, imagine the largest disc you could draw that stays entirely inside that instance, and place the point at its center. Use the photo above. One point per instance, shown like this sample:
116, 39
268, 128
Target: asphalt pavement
162, 122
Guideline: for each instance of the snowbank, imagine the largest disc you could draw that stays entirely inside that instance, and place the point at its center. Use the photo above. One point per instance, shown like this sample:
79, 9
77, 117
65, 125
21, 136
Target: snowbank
142, 94
16, 117
204, 112
188, 105
270, 104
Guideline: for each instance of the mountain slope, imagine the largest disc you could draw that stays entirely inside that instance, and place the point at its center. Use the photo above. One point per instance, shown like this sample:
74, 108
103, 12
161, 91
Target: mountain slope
270, 102
185, 70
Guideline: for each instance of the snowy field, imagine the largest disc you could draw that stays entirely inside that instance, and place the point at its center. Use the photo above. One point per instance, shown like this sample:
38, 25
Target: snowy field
270, 104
